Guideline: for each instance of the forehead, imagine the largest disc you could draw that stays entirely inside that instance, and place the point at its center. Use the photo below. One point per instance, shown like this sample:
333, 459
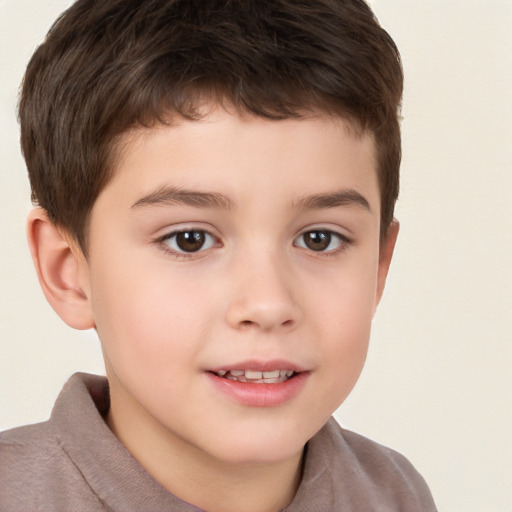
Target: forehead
223, 146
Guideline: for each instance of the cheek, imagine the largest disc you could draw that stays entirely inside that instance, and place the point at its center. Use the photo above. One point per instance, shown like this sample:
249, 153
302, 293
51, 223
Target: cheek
346, 333
345, 312
345, 299
148, 317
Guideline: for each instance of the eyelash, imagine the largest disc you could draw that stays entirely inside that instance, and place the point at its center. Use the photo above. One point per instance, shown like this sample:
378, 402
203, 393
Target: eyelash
164, 242
343, 242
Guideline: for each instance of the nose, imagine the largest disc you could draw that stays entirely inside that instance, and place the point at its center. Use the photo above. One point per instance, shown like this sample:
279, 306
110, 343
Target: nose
263, 297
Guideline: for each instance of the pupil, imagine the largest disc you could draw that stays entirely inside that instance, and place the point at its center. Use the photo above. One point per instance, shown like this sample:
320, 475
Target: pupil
190, 241
317, 240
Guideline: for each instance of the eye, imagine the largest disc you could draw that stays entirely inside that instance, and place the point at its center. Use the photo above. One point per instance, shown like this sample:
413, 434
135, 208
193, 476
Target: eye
189, 241
321, 240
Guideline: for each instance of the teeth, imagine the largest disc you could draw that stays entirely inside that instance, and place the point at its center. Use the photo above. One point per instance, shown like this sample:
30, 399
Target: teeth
255, 376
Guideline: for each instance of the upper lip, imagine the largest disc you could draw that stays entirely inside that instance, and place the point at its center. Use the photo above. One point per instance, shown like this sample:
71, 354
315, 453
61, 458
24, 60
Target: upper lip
260, 365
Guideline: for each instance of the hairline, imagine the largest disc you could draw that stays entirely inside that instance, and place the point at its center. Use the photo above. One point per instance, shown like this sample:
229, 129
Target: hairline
116, 143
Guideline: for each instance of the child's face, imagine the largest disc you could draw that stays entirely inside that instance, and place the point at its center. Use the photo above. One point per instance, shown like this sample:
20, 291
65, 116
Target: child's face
233, 244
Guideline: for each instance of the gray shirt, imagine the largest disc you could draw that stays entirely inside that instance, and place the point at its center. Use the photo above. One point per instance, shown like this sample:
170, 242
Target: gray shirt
74, 463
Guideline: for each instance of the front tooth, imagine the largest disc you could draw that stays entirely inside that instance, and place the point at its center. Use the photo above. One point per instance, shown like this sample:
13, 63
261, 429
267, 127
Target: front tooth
271, 375
250, 374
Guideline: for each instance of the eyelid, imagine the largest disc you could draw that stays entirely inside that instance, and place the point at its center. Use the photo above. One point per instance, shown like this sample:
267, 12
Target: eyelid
344, 240
171, 232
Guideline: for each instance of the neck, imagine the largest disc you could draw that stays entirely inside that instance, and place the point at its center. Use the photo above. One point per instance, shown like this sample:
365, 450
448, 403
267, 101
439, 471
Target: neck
205, 481
239, 488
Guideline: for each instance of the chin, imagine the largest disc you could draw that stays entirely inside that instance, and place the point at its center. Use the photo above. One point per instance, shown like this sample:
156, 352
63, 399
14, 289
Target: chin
254, 448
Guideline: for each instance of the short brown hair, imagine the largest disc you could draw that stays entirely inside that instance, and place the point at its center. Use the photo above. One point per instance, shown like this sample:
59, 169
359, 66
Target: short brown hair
109, 65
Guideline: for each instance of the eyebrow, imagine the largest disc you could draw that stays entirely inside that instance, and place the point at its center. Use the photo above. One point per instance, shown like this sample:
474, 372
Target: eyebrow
332, 200
168, 196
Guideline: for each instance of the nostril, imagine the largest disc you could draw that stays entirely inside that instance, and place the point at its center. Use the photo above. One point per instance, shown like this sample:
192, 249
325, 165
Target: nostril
250, 323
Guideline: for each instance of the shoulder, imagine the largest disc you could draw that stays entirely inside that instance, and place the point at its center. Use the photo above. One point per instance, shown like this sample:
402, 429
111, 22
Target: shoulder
34, 469
377, 460
370, 473
24, 448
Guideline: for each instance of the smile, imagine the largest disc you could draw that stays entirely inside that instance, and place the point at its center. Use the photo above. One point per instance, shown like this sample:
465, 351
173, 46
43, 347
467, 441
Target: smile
255, 376
258, 388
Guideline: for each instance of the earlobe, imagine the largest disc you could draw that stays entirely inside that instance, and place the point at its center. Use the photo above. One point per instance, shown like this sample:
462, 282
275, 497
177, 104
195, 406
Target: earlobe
61, 270
387, 247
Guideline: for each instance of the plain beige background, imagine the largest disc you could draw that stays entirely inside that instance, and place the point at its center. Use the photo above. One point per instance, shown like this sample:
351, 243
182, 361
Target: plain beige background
438, 381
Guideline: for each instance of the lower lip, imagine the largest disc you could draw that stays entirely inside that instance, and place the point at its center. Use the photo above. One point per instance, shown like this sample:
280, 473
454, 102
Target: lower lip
260, 395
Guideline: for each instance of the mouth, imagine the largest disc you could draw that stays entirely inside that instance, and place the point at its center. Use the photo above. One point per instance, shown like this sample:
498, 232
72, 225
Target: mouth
256, 376
259, 383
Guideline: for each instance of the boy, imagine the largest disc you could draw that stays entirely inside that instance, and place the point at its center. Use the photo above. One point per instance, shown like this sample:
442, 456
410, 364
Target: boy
215, 183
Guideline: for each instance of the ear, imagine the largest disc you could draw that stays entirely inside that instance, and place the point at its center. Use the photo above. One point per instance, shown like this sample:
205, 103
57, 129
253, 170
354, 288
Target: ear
62, 270
387, 246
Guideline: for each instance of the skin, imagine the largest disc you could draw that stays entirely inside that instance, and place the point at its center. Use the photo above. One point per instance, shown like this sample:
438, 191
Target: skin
255, 291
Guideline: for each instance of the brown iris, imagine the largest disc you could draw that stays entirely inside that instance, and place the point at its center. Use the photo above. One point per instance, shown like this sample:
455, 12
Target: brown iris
317, 240
190, 241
